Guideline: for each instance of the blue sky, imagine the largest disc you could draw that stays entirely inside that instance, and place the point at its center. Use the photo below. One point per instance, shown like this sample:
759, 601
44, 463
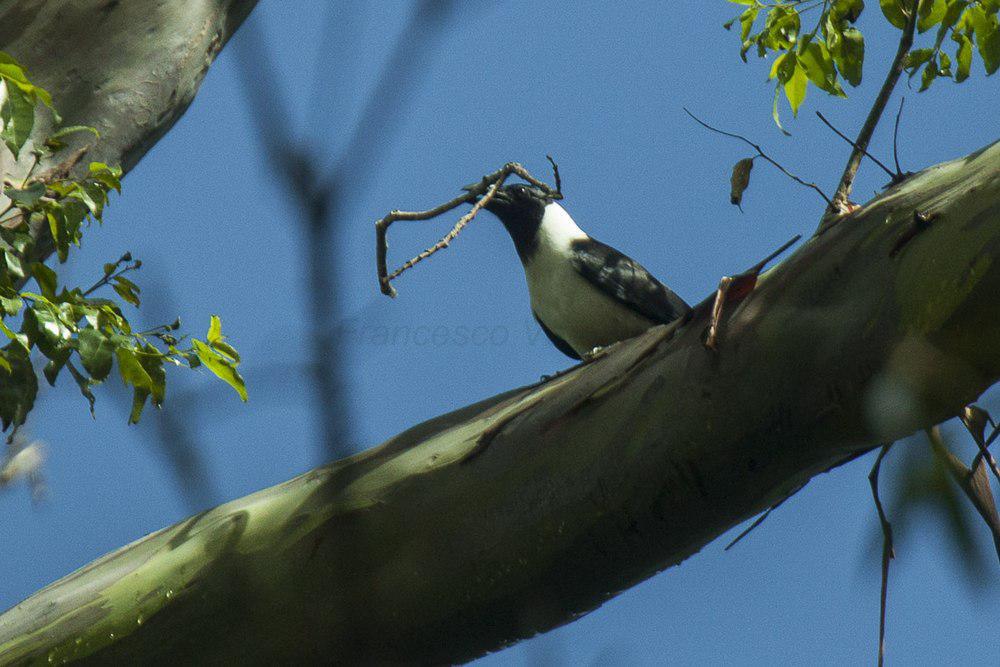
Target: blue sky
601, 86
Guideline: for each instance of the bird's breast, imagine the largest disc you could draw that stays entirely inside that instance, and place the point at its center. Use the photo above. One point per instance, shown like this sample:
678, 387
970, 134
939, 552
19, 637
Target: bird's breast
573, 308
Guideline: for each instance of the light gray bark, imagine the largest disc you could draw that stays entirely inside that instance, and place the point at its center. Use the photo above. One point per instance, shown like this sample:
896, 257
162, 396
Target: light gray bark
583, 485
128, 68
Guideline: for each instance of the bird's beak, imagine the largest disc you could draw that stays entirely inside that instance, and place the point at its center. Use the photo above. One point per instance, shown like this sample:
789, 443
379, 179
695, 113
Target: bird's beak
498, 202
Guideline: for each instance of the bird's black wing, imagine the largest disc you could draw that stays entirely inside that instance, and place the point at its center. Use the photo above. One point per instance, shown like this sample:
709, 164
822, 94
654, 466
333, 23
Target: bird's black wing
625, 280
560, 344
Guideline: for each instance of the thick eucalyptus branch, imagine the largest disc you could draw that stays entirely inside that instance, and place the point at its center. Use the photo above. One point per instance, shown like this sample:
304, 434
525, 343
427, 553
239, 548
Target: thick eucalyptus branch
584, 485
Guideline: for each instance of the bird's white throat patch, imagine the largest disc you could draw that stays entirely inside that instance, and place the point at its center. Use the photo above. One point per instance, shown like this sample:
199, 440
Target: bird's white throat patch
558, 230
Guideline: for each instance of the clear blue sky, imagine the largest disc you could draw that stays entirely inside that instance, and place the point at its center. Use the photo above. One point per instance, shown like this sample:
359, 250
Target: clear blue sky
600, 86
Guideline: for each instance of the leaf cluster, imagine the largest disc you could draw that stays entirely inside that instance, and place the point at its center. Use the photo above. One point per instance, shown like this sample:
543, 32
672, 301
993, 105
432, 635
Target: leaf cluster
818, 42
69, 328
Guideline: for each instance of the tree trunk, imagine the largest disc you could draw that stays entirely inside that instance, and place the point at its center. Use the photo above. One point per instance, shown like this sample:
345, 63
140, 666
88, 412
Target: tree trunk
522, 512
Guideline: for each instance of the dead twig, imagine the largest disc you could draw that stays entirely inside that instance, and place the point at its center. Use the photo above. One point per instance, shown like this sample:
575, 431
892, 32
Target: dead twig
478, 194
759, 520
895, 136
843, 192
888, 553
762, 154
894, 176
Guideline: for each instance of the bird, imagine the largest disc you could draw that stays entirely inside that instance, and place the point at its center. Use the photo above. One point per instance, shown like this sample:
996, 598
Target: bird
585, 294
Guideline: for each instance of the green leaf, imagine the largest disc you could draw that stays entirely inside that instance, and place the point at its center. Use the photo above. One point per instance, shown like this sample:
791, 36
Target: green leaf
19, 388
95, 350
109, 176
151, 360
26, 197
795, 89
987, 35
850, 57
17, 113
930, 13
930, 73
222, 367
46, 279
18, 338
964, 58
14, 265
51, 370
46, 331
774, 111
916, 58
847, 10
126, 289
131, 370
214, 330
84, 384
892, 9
818, 65
139, 397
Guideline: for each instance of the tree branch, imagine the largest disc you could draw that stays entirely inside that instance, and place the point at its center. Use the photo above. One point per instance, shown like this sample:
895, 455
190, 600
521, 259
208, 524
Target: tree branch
119, 82
843, 193
596, 480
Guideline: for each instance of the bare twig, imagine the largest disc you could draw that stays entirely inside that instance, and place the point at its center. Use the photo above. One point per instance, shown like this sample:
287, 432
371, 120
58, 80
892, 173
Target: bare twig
888, 553
555, 173
843, 136
484, 190
840, 197
753, 526
762, 154
895, 136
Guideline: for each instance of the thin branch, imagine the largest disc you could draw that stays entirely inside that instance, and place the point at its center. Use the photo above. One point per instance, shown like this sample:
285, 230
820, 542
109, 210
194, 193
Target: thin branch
888, 553
895, 136
762, 154
555, 173
759, 520
115, 272
840, 197
843, 136
486, 188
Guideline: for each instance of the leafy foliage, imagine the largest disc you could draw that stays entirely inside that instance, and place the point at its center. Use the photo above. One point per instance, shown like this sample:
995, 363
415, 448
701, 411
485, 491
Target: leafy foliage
817, 41
66, 326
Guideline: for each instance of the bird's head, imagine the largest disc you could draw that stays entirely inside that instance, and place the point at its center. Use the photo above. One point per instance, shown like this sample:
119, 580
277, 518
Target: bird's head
519, 206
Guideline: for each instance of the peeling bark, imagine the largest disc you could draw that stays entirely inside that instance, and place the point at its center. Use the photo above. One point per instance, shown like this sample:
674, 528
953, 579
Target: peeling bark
589, 483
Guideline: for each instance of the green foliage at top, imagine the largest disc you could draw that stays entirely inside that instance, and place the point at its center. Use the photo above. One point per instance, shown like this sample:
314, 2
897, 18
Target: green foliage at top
818, 42
70, 328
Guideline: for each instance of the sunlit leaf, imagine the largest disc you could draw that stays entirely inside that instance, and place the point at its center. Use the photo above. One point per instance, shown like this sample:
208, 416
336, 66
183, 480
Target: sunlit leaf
221, 366
17, 113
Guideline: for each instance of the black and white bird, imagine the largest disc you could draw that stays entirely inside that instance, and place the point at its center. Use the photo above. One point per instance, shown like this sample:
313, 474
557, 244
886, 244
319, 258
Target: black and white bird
584, 294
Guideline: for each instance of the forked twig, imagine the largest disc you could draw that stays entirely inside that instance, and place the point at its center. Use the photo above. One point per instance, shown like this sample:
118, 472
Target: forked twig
762, 154
479, 195
888, 553
893, 176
